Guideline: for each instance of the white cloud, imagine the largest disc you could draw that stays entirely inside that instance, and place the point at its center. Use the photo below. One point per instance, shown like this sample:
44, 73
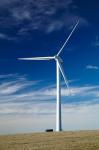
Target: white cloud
3, 36
21, 15
55, 25
19, 89
22, 90
73, 118
92, 67
7, 76
74, 91
33, 108
9, 89
14, 83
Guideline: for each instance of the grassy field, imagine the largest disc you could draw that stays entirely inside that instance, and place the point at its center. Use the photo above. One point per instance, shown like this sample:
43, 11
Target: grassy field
82, 140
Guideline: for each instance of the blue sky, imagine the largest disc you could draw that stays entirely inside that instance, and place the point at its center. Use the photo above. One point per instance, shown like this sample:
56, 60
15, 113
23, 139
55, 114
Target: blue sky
28, 88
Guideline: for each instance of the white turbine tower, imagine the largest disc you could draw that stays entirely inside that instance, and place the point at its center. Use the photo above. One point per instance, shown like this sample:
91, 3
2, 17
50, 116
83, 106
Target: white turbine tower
59, 71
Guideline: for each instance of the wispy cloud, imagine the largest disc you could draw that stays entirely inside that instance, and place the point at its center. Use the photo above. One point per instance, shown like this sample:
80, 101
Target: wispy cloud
13, 83
20, 15
92, 67
4, 36
10, 88
4, 76
44, 15
24, 98
21, 90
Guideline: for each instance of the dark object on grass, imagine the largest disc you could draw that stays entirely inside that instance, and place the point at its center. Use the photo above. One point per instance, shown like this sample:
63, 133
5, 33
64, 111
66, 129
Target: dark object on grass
49, 130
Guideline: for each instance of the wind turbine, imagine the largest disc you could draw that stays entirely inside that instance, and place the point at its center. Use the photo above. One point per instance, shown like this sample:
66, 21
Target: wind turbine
59, 71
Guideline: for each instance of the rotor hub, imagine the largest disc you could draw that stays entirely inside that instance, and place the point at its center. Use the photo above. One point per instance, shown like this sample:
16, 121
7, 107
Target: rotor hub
57, 58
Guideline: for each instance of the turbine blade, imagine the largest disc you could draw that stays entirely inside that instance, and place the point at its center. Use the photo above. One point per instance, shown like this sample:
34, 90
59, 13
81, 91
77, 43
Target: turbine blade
37, 58
64, 77
68, 38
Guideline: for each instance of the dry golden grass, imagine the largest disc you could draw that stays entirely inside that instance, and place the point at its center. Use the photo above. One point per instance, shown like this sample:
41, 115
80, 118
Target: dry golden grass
82, 140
